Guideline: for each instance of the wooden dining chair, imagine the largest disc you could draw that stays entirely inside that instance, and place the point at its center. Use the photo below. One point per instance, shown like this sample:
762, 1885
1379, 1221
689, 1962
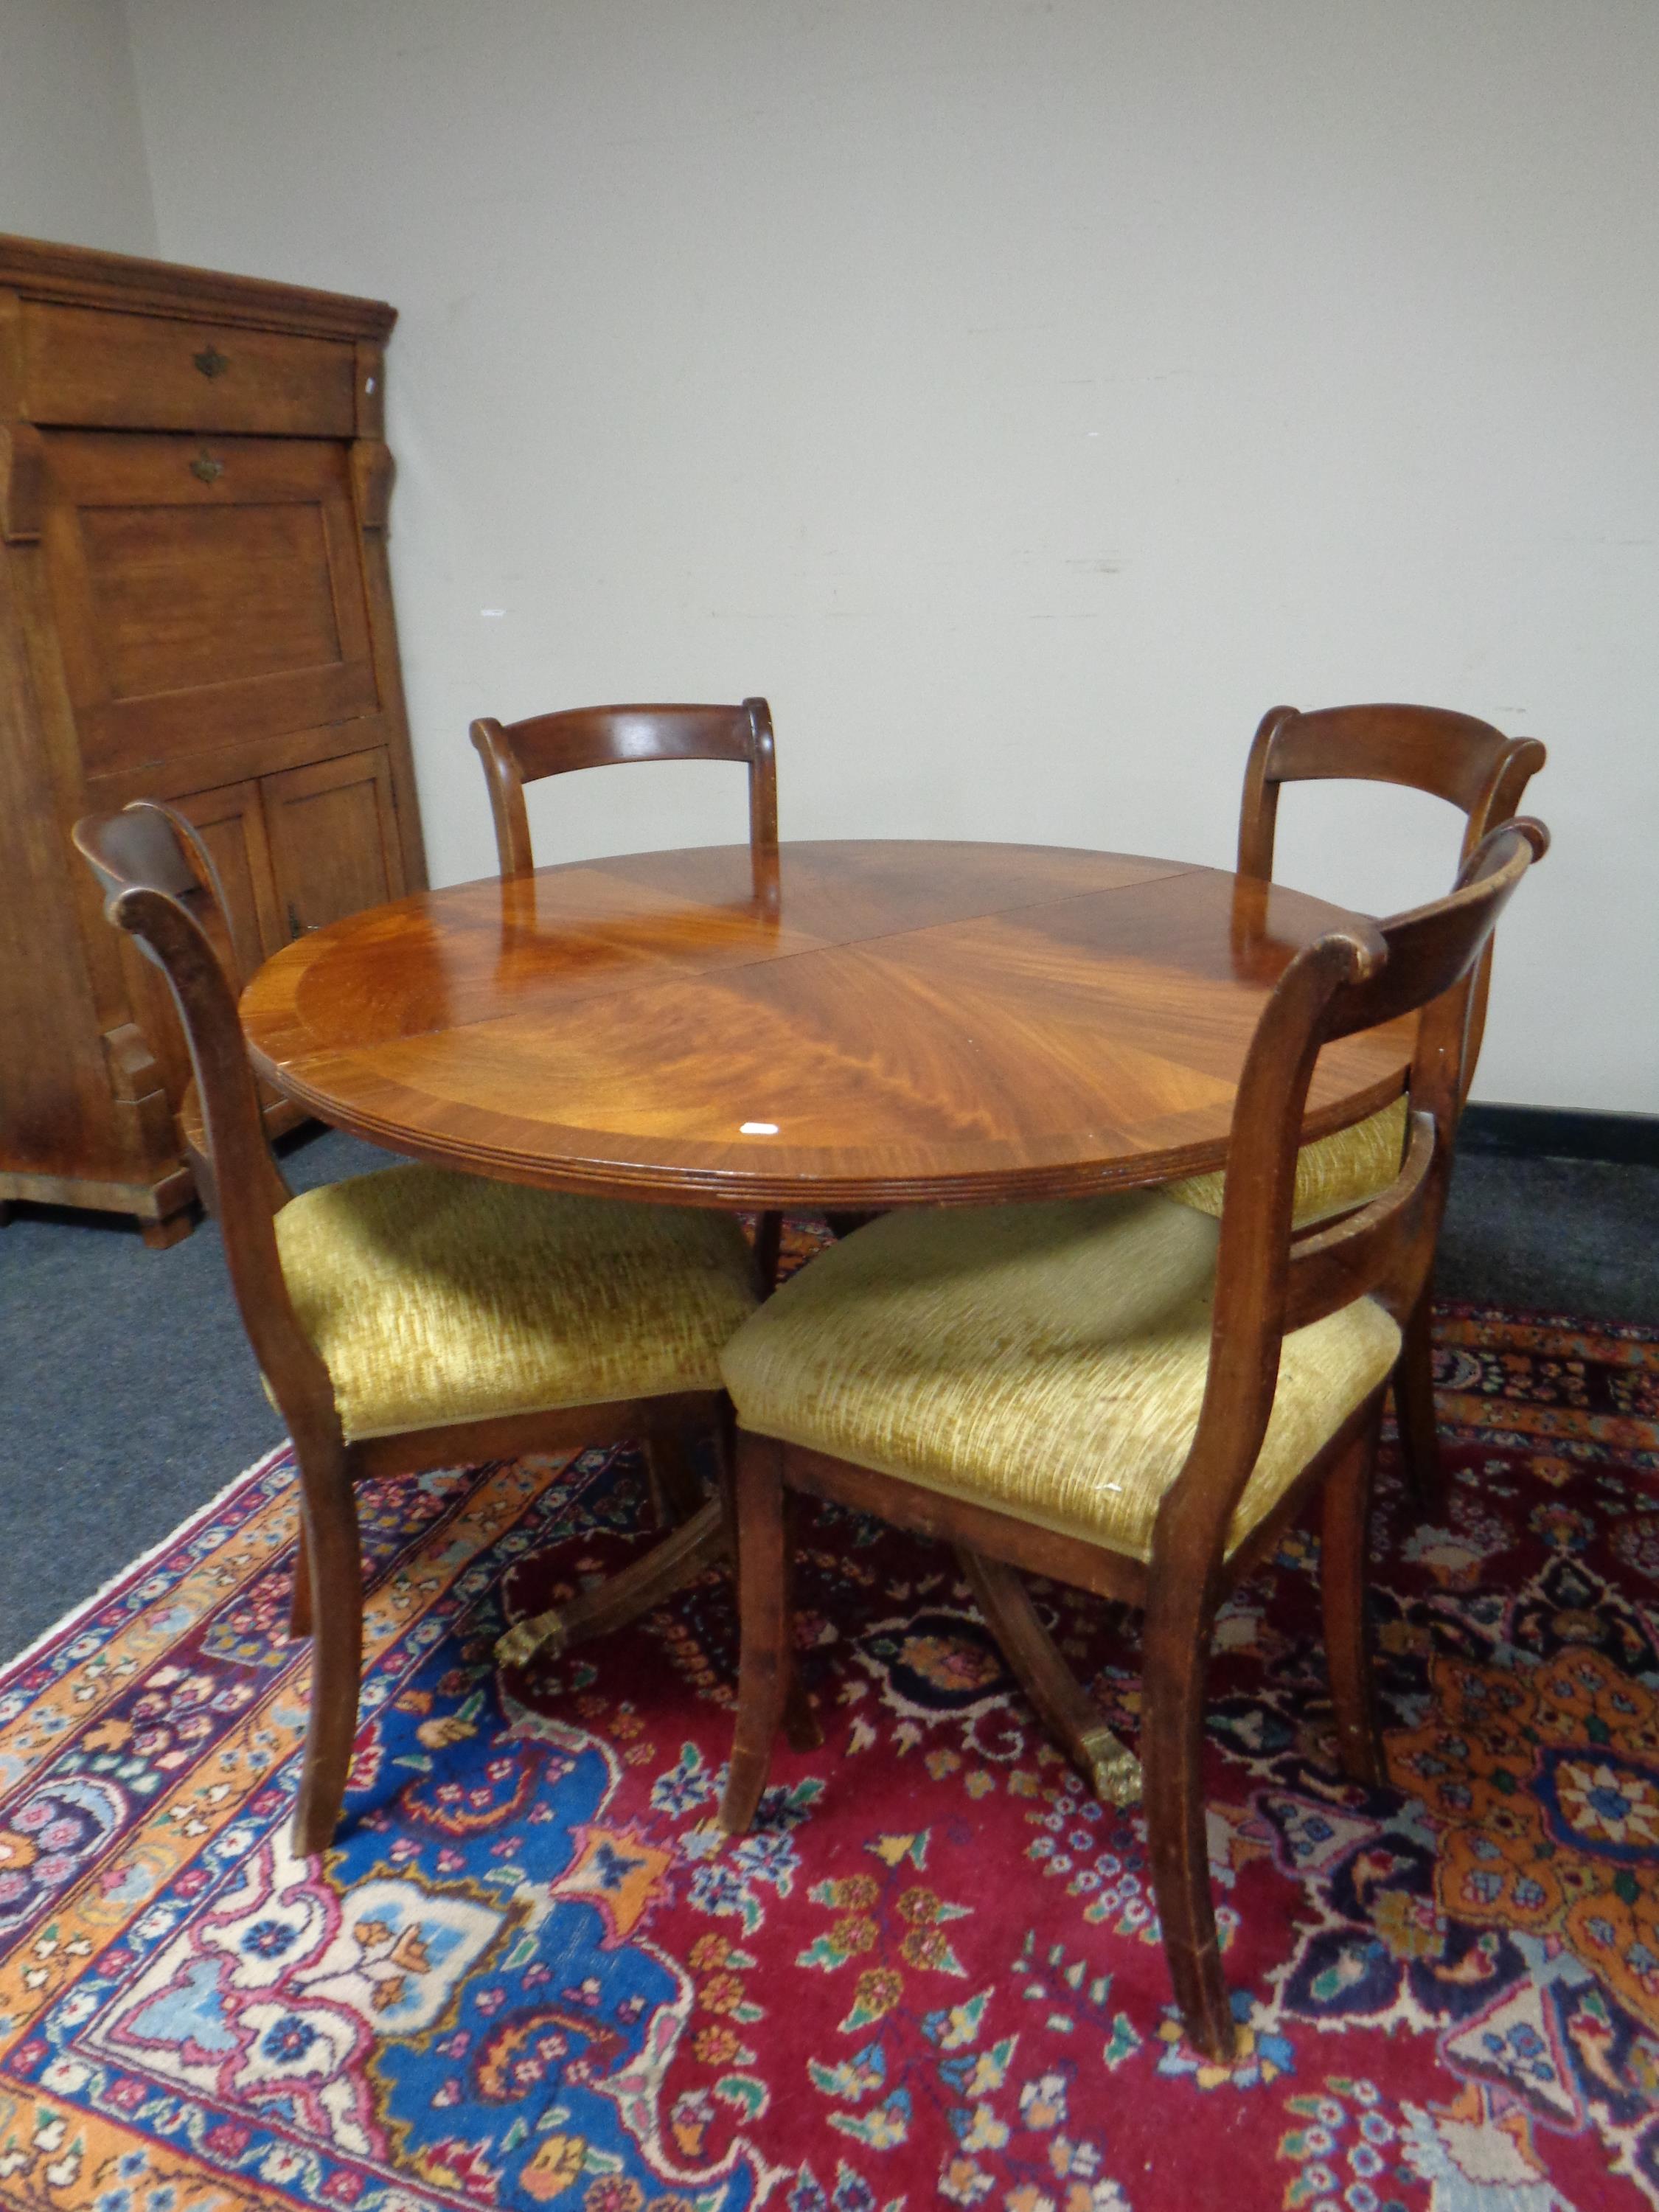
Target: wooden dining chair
517, 753
1127, 1394
212, 912
1476, 768
415, 1318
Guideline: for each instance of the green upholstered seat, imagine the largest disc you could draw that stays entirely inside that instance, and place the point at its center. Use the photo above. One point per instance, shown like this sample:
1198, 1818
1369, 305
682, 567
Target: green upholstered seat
1048, 1361
436, 1297
1333, 1174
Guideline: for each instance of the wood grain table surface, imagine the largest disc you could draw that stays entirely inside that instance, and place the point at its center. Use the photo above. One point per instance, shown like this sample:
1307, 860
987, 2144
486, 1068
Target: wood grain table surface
881, 1023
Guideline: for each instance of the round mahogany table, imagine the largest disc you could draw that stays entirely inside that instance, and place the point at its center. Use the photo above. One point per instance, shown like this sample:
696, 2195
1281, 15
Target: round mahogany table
869, 1025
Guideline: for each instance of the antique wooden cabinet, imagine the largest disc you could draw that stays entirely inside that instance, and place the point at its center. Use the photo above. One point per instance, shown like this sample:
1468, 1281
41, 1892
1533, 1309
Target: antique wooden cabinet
194, 606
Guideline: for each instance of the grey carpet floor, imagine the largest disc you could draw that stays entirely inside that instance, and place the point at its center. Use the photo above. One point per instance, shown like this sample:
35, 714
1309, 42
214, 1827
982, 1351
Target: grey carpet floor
128, 1396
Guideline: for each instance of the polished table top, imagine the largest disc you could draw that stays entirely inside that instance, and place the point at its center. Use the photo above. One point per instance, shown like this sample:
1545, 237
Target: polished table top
880, 1022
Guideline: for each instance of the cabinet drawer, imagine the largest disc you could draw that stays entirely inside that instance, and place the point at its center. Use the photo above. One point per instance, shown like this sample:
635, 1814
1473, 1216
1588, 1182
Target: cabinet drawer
86, 368
206, 594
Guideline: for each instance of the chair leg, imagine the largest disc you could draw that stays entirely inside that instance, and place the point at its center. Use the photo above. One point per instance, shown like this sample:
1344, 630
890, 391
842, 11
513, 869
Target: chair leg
769, 1243
1171, 1748
800, 1722
1413, 1404
299, 1605
1342, 1591
764, 1600
677, 1492
1058, 1699
337, 1589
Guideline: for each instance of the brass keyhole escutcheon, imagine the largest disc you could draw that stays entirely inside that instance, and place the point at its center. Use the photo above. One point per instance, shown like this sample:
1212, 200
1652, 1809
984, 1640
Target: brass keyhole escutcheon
211, 362
206, 467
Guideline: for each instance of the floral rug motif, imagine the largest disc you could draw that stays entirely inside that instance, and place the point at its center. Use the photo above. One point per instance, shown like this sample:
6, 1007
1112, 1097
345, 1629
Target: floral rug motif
531, 1973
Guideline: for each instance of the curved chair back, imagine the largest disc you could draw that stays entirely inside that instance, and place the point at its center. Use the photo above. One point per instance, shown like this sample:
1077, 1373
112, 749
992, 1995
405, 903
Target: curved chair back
159, 886
1471, 765
517, 753
1427, 961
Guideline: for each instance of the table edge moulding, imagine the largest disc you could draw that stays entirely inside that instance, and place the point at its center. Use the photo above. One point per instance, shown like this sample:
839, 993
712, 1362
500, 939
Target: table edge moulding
940, 1022
195, 607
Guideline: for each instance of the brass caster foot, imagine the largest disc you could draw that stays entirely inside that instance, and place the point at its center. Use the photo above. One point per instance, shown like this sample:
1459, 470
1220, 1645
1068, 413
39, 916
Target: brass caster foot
1112, 1770
542, 1631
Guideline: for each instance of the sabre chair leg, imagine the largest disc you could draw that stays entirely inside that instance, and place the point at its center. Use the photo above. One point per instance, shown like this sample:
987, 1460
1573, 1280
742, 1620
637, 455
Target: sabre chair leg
800, 1722
1413, 1404
1342, 1592
299, 1604
337, 1589
768, 1245
1058, 1699
764, 1669
1171, 1747
677, 1492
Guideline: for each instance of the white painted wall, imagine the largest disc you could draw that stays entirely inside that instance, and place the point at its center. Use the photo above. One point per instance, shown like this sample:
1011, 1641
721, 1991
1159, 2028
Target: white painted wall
71, 148
1023, 396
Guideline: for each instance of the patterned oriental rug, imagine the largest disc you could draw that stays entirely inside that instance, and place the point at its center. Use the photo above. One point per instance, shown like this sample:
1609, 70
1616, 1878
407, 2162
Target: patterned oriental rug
532, 1975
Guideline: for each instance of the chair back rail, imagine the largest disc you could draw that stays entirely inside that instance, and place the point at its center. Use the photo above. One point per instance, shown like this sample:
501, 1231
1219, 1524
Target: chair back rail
515, 754
1467, 763
1265, 1283
149, 868
1471, 765
1333, 1266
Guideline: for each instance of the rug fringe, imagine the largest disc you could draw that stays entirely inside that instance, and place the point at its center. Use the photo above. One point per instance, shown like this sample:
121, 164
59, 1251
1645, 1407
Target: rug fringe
106, 1589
